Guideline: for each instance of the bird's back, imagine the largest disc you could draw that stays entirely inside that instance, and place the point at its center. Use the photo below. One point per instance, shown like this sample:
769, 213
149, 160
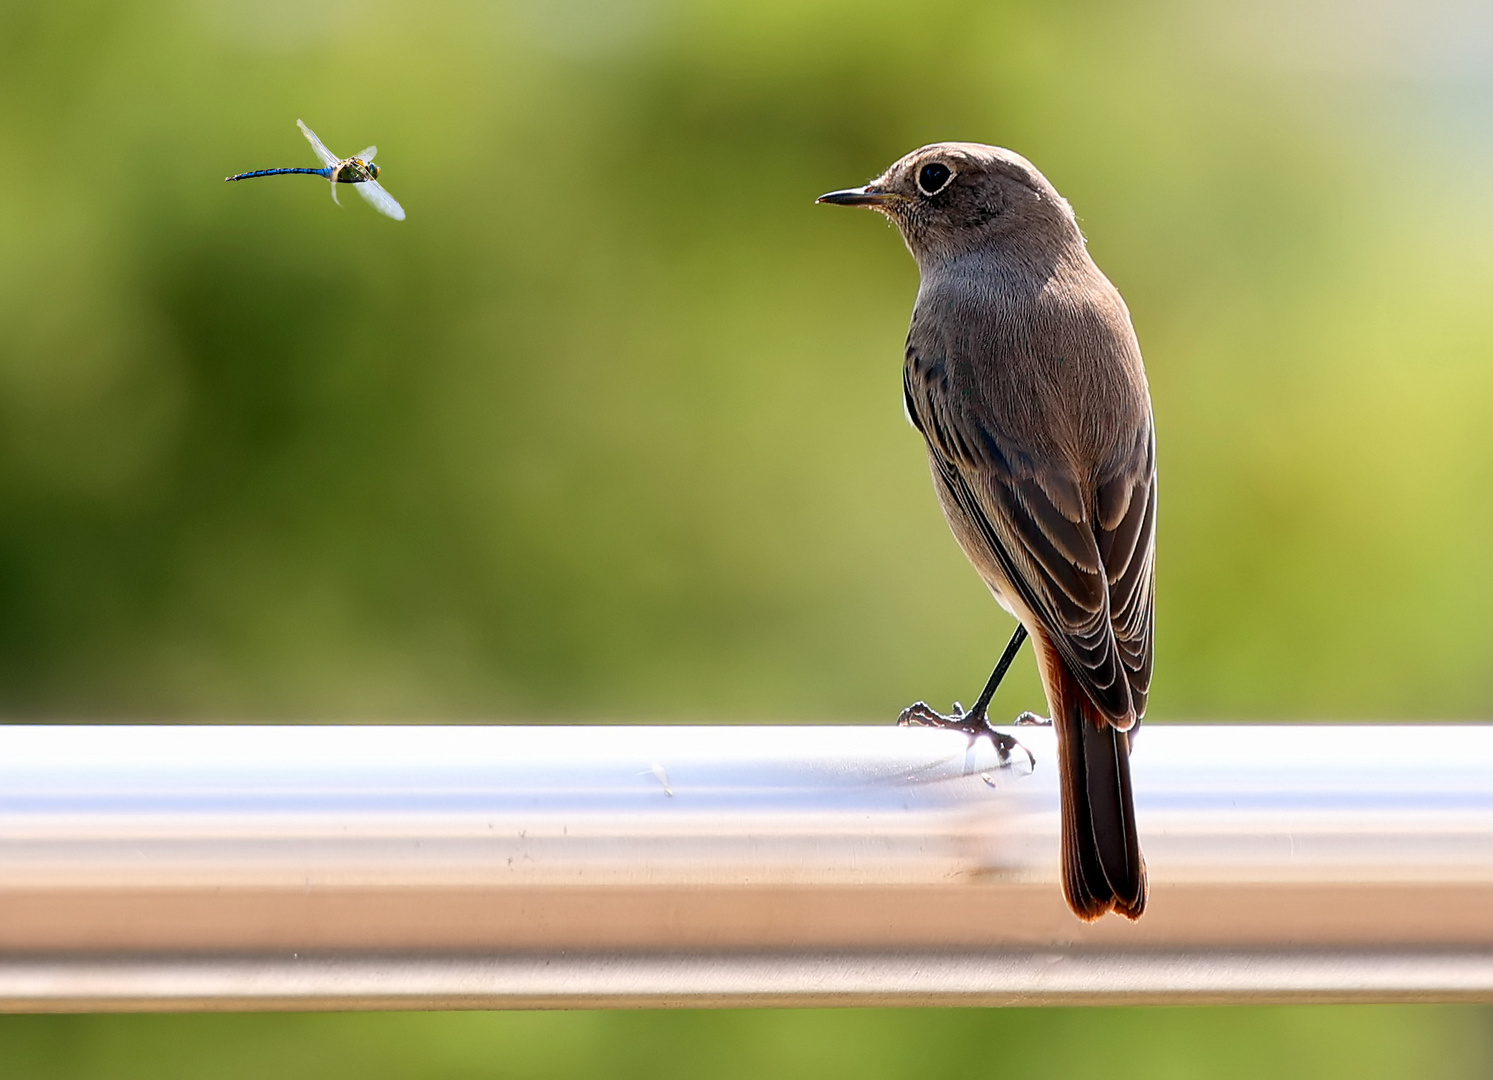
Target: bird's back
1050, 364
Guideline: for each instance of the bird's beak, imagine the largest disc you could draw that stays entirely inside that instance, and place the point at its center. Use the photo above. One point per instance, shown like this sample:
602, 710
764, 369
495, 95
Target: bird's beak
858, 196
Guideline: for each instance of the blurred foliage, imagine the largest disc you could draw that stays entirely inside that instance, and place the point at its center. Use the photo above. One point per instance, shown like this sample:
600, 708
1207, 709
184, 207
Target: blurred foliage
611, 426
1367, 1043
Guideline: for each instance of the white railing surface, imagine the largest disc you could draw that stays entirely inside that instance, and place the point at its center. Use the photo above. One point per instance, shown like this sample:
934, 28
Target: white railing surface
146, 867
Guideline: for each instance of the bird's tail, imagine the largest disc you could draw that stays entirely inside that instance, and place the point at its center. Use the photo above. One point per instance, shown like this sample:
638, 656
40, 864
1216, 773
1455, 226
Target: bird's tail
1103, 869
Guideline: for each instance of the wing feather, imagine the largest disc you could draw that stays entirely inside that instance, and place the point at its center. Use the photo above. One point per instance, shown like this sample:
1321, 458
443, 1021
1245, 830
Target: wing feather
1079, 553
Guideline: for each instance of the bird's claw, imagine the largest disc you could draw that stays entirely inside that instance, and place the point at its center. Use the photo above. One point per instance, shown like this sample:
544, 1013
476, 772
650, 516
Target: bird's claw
921, 714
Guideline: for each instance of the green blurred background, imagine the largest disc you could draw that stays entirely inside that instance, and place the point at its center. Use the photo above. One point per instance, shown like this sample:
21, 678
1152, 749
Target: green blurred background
611, 427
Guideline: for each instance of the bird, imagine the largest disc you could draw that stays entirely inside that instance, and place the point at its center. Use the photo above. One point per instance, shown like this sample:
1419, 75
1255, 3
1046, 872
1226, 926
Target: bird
1023, 374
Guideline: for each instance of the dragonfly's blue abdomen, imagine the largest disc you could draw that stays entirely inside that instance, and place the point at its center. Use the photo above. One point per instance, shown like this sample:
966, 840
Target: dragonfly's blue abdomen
323, 173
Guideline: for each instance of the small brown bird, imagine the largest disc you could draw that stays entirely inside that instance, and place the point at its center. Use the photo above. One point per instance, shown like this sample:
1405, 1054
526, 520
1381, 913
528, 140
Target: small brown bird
1024, 376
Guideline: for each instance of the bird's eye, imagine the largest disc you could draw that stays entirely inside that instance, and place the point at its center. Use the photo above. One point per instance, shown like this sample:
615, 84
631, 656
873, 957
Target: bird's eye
934, 177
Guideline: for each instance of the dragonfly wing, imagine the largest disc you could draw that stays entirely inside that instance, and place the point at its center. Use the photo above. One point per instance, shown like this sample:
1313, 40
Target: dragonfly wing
367, 155
380, 199
327, 157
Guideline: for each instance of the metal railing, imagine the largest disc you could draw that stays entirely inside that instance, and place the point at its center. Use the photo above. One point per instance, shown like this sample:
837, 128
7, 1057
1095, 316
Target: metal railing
441, 867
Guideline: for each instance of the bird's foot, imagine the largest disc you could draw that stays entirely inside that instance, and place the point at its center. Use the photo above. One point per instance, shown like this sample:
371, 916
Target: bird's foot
1031, 719
921, 714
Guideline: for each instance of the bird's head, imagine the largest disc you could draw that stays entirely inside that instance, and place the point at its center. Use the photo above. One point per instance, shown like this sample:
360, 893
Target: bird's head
949, 199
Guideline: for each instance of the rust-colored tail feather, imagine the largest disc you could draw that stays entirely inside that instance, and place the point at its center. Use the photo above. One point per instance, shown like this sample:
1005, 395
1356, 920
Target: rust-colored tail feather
1103, 869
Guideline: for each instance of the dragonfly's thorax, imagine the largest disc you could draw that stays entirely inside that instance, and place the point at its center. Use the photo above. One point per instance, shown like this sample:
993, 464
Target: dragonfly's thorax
356, 171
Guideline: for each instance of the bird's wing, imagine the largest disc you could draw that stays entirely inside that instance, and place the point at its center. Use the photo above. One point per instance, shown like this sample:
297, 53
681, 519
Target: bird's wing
1079, 559
1125, 513
327, 157
380, 199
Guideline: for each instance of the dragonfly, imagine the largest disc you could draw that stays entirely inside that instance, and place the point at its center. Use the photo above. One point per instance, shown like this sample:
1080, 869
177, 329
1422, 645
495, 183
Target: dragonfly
358, 170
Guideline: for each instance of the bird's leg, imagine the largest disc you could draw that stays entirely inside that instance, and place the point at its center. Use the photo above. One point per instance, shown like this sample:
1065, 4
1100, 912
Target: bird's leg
976, 721
982, 703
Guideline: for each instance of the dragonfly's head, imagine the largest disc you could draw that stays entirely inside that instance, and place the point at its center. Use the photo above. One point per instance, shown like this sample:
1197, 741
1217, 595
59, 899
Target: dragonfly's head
372, 169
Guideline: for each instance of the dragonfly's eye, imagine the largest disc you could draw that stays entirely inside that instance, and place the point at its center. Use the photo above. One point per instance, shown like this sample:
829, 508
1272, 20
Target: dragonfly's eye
373, 170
